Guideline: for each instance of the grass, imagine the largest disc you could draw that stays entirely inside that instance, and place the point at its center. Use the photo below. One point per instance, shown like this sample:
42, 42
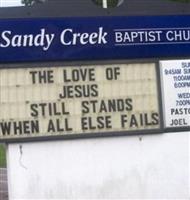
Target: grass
2, 156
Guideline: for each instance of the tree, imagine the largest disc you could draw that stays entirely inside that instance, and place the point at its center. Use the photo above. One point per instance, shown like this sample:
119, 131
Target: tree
31, 2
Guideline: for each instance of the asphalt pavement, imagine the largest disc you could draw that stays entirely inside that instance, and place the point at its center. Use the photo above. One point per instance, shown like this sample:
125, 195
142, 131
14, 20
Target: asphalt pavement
3, 184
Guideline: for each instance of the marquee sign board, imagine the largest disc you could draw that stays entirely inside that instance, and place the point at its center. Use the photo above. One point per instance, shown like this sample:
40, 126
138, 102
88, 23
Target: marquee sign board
175, 76
78, 100
97, 38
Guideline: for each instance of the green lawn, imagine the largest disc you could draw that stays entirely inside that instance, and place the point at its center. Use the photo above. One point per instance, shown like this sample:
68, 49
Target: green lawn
2, 156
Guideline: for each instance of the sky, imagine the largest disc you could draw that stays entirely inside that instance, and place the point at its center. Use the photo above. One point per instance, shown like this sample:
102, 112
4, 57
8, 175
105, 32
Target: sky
6, 3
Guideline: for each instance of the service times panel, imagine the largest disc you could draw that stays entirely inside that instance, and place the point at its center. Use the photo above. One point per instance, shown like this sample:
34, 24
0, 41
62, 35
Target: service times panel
175, 76
78, 100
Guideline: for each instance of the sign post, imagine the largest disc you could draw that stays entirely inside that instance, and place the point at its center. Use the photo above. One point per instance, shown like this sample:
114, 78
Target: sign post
105, 3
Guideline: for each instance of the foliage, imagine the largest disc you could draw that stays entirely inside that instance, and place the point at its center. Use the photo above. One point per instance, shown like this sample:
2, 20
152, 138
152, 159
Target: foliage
110, 3
31, 2
2, 156
27, 2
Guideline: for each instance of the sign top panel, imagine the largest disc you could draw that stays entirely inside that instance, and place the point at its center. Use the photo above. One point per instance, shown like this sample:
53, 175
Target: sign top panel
94, 38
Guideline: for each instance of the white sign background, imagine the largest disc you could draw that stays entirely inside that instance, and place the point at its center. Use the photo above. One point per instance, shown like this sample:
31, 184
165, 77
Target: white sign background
175, 77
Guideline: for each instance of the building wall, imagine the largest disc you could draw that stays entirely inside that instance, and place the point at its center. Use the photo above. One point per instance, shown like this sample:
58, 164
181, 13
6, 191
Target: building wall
149, 166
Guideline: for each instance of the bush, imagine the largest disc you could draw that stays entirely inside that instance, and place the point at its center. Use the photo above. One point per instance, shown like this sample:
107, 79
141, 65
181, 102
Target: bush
2, 156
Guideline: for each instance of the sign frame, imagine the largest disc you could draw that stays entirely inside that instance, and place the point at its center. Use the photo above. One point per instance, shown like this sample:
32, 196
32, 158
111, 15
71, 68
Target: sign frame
34, 65
139, 133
